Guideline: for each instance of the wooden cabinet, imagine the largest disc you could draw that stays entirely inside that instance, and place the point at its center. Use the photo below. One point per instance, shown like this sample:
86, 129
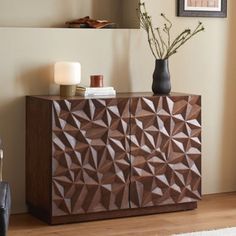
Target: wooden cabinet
99, 158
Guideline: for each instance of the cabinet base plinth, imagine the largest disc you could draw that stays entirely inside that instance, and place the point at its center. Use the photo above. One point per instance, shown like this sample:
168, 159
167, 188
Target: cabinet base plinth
110, 214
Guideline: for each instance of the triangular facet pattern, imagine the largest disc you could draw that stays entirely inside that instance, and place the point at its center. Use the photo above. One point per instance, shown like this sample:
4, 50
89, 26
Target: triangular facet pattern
165, 150
91, 167
111, 154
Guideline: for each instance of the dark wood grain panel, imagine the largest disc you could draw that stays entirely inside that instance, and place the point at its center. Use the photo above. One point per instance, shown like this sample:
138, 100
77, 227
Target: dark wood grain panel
38, 154
123, 213
118, 95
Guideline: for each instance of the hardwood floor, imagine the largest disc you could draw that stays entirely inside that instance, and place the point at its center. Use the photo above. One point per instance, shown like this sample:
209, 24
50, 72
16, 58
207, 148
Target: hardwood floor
214, 211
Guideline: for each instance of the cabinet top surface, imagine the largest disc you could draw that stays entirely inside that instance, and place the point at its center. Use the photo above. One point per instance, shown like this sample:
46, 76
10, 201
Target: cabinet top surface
118, 95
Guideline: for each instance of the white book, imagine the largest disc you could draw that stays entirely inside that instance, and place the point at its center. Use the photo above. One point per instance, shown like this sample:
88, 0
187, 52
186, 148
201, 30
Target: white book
92, 89
85, 93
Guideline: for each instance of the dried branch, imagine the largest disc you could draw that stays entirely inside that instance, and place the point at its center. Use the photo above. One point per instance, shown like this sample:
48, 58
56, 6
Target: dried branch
162, 47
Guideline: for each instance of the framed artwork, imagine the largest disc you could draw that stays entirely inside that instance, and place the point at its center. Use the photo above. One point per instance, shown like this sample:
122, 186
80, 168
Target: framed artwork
202, 8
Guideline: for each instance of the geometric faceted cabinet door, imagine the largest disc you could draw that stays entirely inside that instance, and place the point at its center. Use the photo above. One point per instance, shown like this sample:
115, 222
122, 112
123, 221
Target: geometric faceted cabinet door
165, 150
99, 158
90, 159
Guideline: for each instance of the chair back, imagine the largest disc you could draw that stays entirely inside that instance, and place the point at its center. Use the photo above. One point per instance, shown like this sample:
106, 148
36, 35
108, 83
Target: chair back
1, 163
1, 160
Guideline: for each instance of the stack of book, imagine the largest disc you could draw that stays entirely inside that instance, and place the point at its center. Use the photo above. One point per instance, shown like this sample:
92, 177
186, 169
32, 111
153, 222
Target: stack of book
95, 91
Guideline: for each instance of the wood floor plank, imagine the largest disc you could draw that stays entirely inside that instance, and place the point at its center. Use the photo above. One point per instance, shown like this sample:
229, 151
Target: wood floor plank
214, 211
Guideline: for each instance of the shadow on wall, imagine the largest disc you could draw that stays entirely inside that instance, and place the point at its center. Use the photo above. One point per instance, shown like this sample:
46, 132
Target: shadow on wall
121, 12
28, 82
120, 47
38, 80
107, 10
120, 72
228, 139
13, 143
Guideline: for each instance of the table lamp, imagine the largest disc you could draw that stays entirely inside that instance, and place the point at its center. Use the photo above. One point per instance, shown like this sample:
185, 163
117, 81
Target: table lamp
67, 75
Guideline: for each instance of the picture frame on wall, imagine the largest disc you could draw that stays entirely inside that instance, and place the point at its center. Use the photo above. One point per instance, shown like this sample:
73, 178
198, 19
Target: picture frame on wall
202, 8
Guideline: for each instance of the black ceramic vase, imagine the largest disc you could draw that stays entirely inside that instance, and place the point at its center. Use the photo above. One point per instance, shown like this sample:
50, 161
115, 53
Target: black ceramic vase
161, 77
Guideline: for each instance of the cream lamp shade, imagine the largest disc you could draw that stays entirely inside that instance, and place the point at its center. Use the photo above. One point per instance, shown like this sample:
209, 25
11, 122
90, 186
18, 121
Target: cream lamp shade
67, 75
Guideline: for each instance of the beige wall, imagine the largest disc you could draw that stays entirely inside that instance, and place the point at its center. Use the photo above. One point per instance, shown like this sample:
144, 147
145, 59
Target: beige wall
54, 13
205, 66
